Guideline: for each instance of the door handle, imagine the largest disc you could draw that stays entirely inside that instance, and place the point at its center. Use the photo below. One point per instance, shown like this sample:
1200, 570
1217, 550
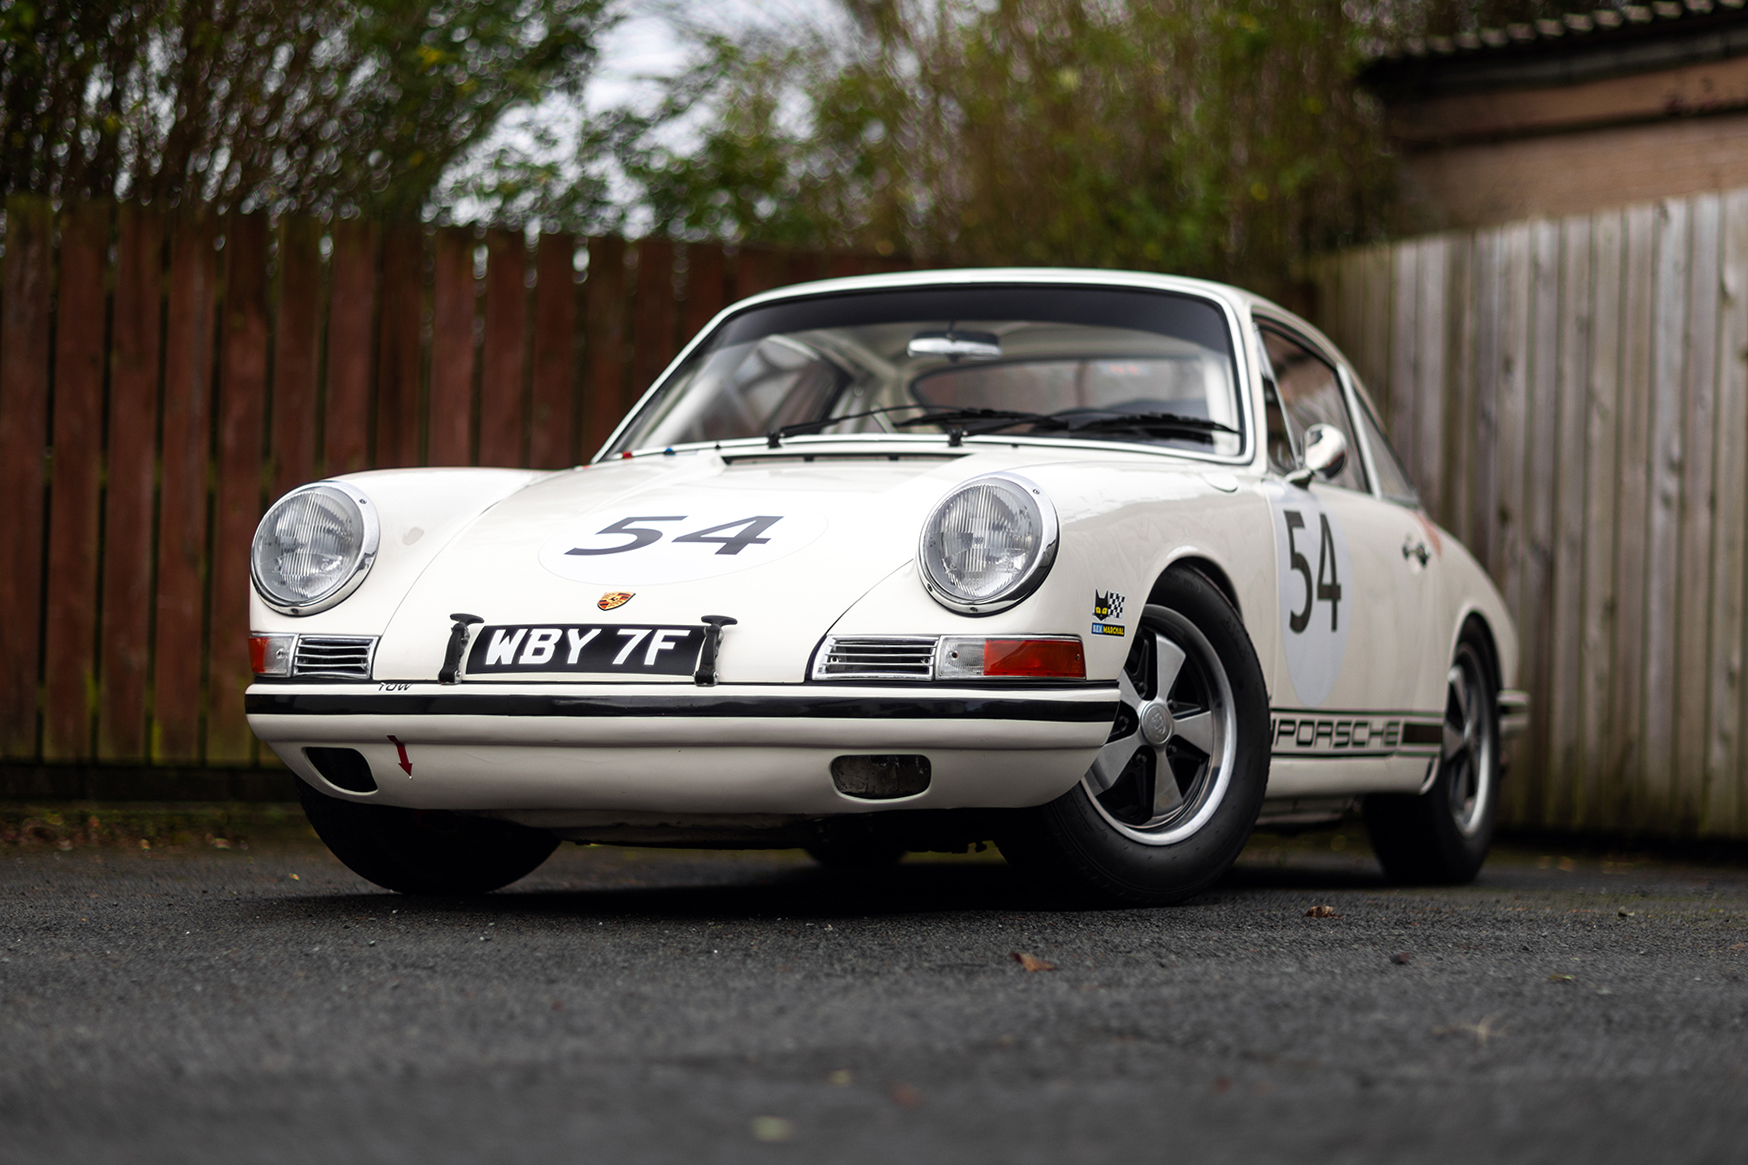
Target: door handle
1414, 549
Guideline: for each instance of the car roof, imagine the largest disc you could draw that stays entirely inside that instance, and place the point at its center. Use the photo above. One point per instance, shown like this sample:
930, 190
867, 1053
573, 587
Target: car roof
1237, 297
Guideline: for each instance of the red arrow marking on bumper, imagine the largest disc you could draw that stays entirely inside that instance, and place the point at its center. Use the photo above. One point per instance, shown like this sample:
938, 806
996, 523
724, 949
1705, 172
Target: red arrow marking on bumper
402, 749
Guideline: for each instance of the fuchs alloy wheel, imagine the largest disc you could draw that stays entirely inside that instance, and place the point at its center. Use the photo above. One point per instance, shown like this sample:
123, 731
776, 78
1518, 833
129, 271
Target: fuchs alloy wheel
1171, 798
420, 852
1442, 836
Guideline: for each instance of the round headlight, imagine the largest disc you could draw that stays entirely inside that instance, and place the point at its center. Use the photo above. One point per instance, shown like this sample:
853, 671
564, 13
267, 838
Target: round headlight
314, 547
988, 544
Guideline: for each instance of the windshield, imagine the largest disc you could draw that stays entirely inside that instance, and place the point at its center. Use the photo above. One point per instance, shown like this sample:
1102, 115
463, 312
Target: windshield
1102, 363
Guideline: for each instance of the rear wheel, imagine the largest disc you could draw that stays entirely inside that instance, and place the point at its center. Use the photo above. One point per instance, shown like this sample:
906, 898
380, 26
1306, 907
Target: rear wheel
1442, 836
1171, 798
425, 852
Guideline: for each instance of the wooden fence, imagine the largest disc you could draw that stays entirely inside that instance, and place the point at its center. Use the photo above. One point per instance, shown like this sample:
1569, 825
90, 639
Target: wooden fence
164, 376
1572, 399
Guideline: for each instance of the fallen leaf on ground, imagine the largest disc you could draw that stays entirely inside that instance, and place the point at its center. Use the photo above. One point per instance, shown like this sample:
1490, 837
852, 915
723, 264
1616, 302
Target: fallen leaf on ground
1402, 959
1562, 979
905, 1095
1322, 912
841, 1077
1030, 962
1482, 1031
773, 1128
1739, 947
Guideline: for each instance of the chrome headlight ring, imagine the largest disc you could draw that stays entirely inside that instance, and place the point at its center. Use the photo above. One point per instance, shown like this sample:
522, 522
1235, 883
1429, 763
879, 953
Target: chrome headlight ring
1025, 559
294, 524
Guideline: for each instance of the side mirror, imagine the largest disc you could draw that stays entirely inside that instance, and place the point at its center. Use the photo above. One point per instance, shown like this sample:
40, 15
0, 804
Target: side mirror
1325, 455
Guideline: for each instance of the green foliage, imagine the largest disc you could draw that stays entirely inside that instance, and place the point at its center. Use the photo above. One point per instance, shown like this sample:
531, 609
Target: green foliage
1220, 139
312, 105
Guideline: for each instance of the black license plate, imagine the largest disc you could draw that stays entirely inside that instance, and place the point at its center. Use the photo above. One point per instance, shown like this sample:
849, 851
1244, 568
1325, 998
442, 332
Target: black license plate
585, 647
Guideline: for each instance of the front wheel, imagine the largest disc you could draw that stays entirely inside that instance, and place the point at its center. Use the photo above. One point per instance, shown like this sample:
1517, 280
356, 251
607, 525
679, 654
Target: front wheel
425, 852
1442, 836
1171, 798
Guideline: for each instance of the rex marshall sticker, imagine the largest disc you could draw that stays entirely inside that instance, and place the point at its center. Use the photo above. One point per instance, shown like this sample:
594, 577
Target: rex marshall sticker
1107, 609
1312, 734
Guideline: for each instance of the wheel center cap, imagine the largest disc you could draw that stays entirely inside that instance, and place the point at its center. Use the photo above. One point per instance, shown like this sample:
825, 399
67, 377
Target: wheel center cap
1156, 723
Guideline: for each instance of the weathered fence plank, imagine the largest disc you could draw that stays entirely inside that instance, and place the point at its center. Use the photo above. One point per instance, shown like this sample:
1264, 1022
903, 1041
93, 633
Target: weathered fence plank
1698, 504
1663, 502
604, 392
346, 417
706, 287
180, 621
237, 506
1724, 803
1638, 325
653, 339
75, 484
1540, 495
297, 346
132, 468
503, 351
1565, 666
453, 309
1602, 492
1431, 369
400, 413
26, 293
552, 387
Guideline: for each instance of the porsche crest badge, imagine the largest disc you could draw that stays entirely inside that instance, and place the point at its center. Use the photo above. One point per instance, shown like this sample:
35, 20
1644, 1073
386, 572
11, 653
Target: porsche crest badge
614, 599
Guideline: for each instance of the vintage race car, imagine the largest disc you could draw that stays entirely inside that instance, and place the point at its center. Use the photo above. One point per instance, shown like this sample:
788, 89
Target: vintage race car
1099, 566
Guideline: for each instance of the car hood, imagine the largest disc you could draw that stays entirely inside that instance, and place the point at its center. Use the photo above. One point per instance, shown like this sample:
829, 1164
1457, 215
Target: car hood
783, 544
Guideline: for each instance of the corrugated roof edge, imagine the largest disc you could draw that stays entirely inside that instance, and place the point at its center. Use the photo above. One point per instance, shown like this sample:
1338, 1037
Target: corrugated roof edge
1402, 64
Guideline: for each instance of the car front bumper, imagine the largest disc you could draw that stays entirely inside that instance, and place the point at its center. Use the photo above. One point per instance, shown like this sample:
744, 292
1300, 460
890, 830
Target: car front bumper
548, 750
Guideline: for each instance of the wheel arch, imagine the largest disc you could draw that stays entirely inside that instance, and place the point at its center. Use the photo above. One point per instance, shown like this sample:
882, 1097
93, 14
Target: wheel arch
1476, 626
1208, 569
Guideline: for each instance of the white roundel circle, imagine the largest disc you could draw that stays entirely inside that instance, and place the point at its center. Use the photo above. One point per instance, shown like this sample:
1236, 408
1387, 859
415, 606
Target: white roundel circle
667, 543
1315, 592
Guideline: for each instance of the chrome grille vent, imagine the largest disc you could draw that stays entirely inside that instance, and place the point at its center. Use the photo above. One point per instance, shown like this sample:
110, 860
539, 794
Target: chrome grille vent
876, 657
342, 657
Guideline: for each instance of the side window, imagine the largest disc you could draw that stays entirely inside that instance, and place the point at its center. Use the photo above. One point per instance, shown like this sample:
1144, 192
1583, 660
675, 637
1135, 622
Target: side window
1283, 444
1393, 480
1311, 393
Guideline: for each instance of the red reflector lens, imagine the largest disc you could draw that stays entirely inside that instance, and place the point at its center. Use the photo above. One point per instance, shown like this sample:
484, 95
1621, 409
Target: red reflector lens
258, 653
1061, 658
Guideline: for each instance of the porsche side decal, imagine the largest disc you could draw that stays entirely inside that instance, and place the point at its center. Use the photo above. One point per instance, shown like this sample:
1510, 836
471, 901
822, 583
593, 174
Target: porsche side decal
1296, 732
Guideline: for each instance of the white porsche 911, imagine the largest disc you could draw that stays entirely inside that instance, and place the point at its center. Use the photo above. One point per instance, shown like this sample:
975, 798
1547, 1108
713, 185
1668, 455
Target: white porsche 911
1099, 566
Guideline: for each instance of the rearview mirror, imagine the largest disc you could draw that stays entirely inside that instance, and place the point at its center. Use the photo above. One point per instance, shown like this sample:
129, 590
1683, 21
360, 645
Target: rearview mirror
1325, 455
955, 346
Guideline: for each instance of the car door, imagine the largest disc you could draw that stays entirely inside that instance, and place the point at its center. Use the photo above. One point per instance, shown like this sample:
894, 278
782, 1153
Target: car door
1424, 657
1350, 648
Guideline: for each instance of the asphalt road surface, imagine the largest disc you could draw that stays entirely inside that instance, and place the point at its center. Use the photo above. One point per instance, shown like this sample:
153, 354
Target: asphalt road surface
666, 1006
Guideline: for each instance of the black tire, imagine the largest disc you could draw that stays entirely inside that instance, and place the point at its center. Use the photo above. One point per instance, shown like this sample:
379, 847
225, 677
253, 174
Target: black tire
1441, 837
425, 852
1116, 845
857, 854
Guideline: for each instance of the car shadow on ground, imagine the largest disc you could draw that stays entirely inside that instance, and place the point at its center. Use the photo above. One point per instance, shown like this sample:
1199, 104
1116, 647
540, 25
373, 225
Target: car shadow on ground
718, 887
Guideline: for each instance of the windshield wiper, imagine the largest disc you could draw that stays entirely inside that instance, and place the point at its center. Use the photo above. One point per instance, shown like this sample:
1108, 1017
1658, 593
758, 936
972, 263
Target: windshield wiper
958, 422
1195, 428
774, 438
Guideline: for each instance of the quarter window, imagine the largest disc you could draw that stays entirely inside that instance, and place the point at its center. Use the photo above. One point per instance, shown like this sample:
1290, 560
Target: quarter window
1310, 392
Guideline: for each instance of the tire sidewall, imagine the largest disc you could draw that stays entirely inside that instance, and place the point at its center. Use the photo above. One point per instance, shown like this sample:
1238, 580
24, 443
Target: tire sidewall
1129, 870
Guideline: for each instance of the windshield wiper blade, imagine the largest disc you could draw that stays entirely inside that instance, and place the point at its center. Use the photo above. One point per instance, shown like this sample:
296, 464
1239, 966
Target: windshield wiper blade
961, 423
1197, 428
774, 438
